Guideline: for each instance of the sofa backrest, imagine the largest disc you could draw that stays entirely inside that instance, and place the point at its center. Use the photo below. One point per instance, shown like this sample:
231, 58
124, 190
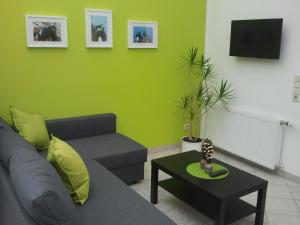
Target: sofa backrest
36, 183
7, 140
11, 209
84, 126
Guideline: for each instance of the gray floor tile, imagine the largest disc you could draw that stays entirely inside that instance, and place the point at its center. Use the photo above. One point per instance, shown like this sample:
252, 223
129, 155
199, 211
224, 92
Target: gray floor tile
252, 198
295, 192
292, 184
298, 204
279, 219
163, 176
163, 153
270, 177
279, 191
282, 206
249, 221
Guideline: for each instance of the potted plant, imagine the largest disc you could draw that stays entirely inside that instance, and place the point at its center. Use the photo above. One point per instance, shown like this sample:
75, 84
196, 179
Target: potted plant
204, 93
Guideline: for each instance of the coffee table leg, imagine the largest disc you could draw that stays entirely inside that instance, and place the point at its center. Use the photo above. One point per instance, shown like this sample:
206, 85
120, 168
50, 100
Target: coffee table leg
261, 202
154, 184
220, 216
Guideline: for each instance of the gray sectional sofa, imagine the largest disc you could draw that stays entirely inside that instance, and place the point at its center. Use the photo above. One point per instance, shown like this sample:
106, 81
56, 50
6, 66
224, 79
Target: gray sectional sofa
113, 161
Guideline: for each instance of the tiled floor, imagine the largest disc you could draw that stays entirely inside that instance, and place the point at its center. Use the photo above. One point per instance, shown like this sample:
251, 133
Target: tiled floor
283, 197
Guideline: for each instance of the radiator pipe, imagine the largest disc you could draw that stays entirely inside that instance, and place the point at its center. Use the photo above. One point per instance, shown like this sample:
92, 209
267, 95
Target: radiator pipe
283, 124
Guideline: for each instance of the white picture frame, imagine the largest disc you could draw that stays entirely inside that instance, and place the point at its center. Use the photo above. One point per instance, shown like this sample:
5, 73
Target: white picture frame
142, 34
46, 31
99, 28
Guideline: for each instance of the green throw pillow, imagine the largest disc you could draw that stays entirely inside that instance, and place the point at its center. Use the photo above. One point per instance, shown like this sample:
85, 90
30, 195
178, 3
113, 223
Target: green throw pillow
71, 169
31, 127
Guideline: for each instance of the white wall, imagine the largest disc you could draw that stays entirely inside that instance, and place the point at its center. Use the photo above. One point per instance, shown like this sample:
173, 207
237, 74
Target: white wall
263, 86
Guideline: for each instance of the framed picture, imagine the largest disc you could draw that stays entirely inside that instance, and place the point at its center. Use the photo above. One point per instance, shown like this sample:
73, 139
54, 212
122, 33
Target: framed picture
99, 29
46, 31
142, 34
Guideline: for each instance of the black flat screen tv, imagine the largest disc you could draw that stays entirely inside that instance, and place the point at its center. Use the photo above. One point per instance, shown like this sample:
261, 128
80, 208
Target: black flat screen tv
259, 38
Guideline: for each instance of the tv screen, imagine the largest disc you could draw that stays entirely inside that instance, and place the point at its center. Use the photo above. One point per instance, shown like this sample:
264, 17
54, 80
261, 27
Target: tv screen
256, 38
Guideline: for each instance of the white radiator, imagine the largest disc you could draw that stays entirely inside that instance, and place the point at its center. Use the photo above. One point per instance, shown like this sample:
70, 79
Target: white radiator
251, 136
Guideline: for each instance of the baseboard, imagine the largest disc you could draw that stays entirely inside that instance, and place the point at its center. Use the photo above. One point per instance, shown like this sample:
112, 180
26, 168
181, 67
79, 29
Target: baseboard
288, 176
164, 148
242, 159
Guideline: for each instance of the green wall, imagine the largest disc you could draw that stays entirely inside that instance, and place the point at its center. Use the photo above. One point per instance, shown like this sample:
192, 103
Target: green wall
139, 85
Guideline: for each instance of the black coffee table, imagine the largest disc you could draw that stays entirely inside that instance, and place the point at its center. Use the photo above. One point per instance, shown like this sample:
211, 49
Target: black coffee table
217, 199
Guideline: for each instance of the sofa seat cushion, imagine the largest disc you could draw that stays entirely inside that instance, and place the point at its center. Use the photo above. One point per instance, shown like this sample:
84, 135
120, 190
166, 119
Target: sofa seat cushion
111, 150
112, 202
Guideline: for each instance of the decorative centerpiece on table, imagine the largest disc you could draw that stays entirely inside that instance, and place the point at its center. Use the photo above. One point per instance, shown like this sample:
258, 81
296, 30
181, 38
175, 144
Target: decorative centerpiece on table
207, 150
207, 170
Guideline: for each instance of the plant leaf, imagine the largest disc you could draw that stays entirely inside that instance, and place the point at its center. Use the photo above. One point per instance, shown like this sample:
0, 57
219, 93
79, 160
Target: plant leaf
225, 92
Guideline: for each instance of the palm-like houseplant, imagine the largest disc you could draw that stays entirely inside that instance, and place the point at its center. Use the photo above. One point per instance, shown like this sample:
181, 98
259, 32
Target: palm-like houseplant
204, 93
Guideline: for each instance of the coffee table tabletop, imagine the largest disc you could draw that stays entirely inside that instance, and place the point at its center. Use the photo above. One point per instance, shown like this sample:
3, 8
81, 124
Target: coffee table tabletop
218, 199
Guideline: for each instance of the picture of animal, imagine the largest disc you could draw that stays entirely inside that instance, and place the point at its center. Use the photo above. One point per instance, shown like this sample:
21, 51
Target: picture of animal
98, 33
99, 28
46, 31
143, 35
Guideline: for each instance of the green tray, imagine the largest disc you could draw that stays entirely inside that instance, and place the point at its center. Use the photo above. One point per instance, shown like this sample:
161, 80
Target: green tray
195, 170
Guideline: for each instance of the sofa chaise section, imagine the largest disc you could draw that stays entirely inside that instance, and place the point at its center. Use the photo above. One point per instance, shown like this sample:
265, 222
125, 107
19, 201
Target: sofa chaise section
95, 137
121, 155
111, 202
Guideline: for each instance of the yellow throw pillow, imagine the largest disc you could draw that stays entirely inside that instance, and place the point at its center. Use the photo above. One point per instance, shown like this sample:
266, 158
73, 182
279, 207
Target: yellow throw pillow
71, 169
31, 127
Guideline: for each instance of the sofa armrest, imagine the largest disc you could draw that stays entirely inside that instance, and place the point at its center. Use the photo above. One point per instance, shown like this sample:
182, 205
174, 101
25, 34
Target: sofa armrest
84, 126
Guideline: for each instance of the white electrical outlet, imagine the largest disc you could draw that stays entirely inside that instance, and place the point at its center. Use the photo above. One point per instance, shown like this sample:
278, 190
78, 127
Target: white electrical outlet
296, 92
186, 126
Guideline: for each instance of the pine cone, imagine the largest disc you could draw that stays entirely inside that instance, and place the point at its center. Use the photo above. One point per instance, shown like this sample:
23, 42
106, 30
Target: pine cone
207, 149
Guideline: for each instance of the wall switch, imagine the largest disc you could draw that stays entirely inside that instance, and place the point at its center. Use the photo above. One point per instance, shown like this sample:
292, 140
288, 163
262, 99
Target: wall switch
296, 92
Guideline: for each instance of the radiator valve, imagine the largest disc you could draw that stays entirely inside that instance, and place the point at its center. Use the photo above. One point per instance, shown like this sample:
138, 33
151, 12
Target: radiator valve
286, 123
